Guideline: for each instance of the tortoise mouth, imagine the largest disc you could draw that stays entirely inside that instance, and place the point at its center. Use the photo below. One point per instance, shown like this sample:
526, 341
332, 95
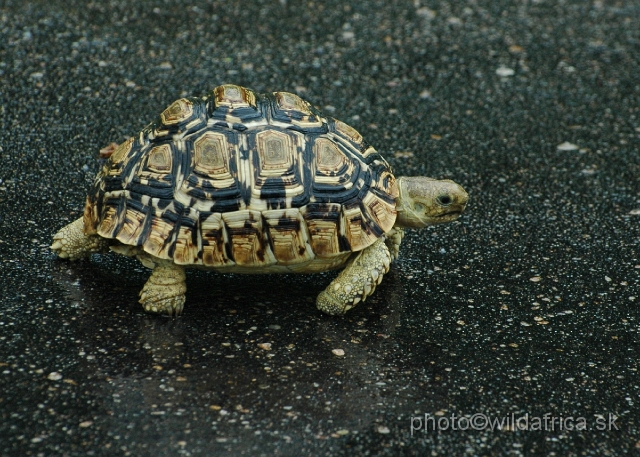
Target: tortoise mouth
449, 214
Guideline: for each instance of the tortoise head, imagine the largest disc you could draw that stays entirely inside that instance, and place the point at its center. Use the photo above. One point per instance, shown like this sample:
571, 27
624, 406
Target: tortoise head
426, 201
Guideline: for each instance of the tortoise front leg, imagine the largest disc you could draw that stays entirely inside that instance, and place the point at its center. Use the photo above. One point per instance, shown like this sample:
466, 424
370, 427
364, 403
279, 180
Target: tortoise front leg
71, 242
357, 281
394, 238
164, 291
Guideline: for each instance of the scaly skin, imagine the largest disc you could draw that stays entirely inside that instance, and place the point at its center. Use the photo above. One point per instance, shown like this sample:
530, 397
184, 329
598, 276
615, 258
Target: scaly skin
164, 291
394, 238
357, 281
71, 242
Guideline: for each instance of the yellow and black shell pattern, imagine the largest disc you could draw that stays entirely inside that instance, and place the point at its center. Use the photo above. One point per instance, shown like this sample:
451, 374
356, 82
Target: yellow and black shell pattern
237, 180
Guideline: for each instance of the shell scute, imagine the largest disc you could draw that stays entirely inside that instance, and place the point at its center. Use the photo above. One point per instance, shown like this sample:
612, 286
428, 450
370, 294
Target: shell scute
180, 118
215, 241
179, 111
288, 236
276, 169
292, 112
248, 244
187, 244
235, 106
356, 228
212, 156
159, 236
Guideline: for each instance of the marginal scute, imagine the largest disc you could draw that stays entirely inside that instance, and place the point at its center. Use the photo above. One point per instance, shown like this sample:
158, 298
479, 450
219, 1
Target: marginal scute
158, 238
178, 111
355, 228
387, 182
186, 248
288, 236
382, 212
131, 228
214, 241
323, 223
248, 245
109, 221
90, 217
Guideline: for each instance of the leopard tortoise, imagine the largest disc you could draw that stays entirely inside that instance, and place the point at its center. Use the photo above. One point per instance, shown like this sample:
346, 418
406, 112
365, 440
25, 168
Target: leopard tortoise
242, 182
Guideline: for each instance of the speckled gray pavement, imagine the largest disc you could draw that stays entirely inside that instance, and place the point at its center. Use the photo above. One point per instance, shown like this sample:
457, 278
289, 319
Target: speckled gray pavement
525, 307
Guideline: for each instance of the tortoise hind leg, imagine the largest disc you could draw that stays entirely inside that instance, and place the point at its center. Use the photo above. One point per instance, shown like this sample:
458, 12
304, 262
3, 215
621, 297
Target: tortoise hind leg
357, 281
71, 242
164, 291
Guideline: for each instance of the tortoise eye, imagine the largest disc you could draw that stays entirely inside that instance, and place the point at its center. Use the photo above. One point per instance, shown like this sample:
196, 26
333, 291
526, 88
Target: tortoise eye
444, 200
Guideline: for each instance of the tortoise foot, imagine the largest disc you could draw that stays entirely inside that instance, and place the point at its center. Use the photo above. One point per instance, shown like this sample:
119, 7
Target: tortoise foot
164, 292
71, 243
357, 281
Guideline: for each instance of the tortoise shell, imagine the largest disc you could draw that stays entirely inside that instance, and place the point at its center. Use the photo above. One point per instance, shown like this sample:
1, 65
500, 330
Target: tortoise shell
240, 181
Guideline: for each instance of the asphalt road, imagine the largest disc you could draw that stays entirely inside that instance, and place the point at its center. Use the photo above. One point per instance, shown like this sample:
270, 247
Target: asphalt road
524, 313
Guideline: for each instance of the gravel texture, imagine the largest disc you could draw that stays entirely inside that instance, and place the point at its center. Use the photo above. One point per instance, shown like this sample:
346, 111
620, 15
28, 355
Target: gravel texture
526, 306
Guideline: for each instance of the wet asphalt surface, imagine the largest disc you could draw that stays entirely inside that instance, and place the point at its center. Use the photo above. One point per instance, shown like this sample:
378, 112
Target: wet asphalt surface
528, 305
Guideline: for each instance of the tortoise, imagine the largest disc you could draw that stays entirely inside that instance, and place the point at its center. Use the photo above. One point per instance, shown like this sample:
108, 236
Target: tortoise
241, 182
